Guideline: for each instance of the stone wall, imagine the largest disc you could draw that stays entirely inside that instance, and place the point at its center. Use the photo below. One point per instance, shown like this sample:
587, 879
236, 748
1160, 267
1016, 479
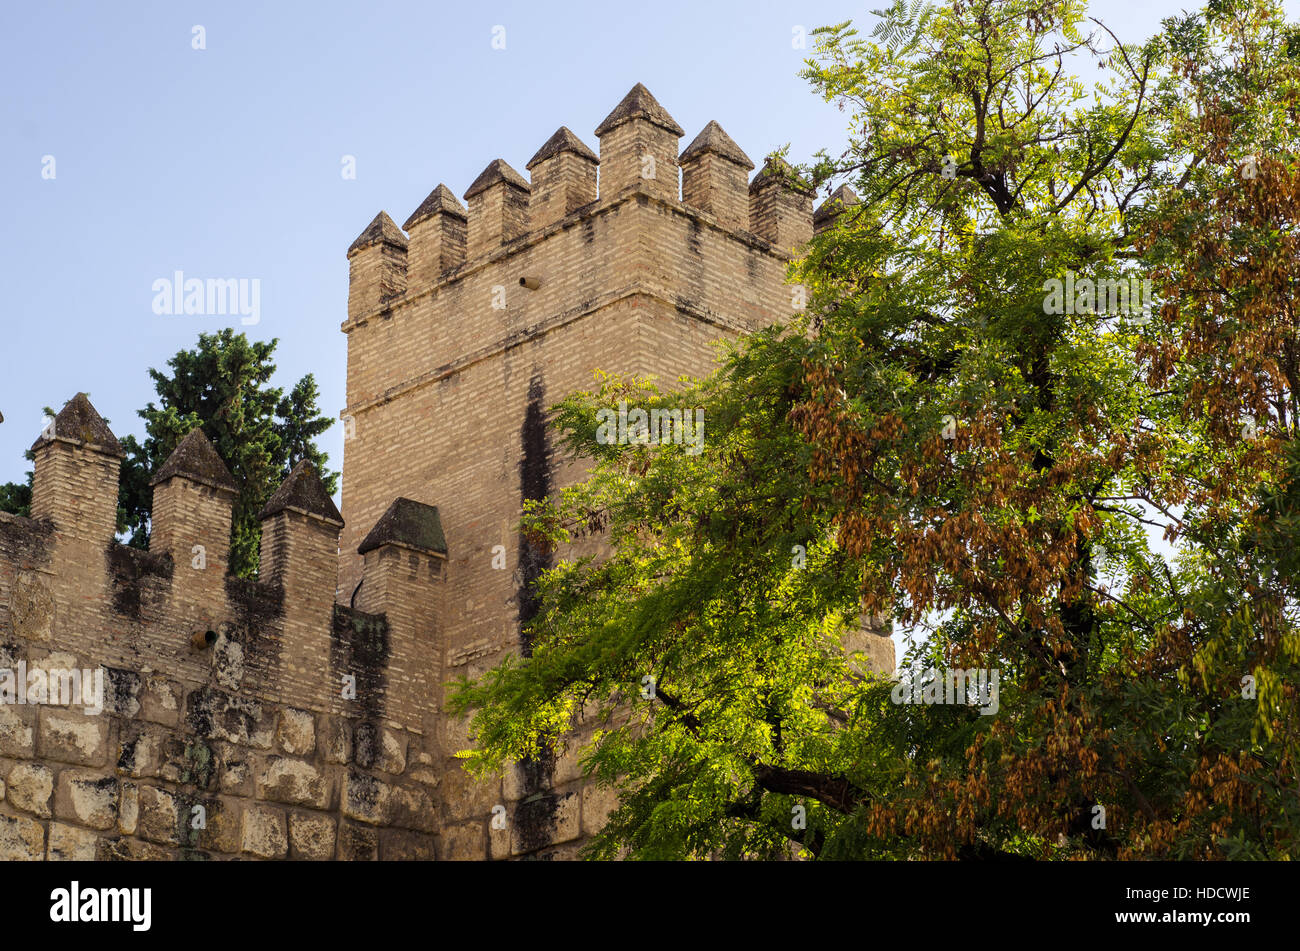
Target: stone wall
176, 770
253, 719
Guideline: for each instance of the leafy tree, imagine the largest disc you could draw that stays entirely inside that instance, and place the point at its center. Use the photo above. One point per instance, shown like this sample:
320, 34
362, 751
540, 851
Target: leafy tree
1001, 475
1224, 246
16, 497
260, 432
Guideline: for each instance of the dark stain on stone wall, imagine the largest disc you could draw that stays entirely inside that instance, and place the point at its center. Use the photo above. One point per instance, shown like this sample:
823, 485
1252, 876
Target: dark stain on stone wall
25, 541
359, 645
138, 578
693, 238
256, 613
365, 745
535, 815
215, 714
121, 691
534, 485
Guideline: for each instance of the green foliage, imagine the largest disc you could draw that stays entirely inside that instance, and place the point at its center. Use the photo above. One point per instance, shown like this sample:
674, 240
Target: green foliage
260, 432
933, 443
16, 497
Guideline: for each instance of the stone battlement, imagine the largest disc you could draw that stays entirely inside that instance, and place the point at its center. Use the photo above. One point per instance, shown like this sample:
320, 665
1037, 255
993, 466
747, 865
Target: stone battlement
264, 704
133, 608
445, 242
301, 713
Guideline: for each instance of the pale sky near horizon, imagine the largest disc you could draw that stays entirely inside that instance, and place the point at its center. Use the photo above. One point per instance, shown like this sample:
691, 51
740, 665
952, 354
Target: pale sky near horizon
226, 161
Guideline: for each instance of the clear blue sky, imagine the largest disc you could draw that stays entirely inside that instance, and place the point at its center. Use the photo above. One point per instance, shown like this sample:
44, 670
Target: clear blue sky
225, 162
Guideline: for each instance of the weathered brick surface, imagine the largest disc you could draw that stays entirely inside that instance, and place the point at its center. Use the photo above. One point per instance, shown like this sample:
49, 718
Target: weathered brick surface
265, 833
71, 844
29, 788
21, 839
357, 843
311, 837
87, 798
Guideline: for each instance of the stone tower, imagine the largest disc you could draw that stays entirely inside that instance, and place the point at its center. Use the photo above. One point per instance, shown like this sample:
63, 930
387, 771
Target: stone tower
465, 329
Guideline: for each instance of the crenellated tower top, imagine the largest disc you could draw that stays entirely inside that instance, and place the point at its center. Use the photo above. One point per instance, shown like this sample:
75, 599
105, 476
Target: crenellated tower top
638, 156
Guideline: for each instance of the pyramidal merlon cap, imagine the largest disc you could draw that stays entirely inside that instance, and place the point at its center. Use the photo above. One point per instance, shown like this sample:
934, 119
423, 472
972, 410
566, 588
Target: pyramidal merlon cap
714, 139
408, 524
196, 460
779, 171
303, 492
839, 200
382, 229
79, 422
562, 141
639, 104
497, 171
441, 201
